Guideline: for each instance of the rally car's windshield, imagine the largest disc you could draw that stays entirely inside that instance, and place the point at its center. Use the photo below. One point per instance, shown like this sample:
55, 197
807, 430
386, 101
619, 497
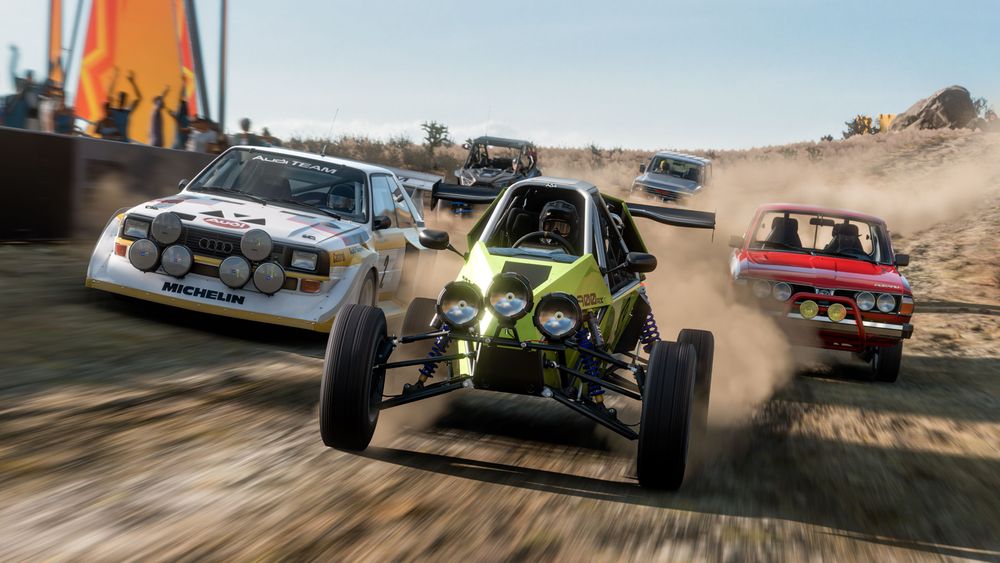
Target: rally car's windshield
685, 170
496, 157
819, 234
291, 181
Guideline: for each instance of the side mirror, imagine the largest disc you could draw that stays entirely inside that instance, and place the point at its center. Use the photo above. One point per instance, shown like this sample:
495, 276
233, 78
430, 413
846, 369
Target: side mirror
435, 240
642, 169
640, 262
182, 183
902, 259
381, 222
736, 241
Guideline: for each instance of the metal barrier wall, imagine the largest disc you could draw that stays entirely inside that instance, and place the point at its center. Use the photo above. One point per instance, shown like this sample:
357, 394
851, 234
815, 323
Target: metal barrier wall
55, 187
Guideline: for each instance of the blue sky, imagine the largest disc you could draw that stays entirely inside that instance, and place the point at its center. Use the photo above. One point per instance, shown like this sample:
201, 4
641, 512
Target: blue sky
707, 74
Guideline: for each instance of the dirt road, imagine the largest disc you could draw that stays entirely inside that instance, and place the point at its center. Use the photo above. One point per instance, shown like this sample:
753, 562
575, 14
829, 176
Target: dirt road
129, 430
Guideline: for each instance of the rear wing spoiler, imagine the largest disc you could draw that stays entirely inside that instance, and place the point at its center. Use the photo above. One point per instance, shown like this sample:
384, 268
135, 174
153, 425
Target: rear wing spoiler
415, 181
672, 216
464, 194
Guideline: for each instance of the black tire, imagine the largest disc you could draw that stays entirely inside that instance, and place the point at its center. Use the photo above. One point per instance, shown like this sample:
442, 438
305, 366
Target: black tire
704, 347
886, 362
351, 390
666, 416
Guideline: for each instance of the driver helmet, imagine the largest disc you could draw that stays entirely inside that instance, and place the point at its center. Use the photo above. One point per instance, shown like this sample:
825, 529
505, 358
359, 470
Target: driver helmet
342, 198
558, 217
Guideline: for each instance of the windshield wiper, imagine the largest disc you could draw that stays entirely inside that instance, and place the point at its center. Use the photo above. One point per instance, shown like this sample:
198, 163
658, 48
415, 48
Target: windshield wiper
230, 192
309, 206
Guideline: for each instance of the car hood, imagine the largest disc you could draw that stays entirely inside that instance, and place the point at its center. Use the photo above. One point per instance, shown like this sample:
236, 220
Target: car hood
825, 271
238, 216
665, 182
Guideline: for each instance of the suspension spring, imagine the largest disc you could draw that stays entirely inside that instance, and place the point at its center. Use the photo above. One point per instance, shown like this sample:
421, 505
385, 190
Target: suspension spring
588, 364
441, 344
650, 333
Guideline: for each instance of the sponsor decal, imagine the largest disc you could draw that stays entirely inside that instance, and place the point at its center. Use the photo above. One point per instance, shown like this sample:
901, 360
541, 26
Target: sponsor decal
201, 293
298, 163
886, 285
227, 223
590, 300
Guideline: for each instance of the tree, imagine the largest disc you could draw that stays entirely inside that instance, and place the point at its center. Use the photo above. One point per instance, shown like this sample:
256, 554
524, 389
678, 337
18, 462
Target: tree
860, 125
435, 135
982, 106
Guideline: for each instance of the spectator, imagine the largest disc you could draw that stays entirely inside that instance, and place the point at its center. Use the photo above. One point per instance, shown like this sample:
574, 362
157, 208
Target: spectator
107, 127
246, 137
269, 138
156, 120
123, 110
64, 118
201, 136
26, 105
182, 120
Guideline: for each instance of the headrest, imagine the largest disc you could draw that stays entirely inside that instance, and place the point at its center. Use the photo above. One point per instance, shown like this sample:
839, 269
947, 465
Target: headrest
779, 222
836, 229
848, 230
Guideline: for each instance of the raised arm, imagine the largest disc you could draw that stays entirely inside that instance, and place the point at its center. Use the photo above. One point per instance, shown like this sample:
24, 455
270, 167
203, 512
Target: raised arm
135, 90
13, 64
111, 87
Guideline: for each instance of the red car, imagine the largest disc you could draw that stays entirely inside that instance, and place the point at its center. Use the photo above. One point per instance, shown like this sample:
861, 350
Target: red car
832, 278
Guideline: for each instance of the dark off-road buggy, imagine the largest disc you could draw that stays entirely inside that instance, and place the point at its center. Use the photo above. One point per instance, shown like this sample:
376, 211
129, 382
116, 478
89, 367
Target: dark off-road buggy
551, 303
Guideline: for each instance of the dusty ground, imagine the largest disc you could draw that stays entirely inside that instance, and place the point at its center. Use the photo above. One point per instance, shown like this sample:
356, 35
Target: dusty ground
135, 431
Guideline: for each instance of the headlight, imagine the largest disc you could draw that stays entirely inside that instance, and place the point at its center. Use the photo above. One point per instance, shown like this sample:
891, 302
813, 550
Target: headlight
865, 301
836, 312
460, 304
177, 260
144, 255
782, 291
808, 309
234, 271
886, 303
509, 296
256, 245
557, 316
304, 260
268, 278
166, 228
761, 288
136, 228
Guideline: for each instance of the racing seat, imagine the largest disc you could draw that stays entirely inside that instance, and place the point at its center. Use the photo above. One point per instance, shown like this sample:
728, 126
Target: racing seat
847, 238
784, 231
520, 223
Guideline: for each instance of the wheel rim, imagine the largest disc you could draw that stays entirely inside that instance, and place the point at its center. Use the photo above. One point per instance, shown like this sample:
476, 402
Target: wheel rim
367, 296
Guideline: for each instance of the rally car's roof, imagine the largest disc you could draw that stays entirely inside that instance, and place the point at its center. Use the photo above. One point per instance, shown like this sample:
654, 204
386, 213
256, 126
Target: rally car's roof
501, 142
818, 209
682, 156
363, 166
554, 182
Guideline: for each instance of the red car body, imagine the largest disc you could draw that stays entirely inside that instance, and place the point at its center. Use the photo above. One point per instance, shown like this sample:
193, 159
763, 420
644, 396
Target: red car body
825, 279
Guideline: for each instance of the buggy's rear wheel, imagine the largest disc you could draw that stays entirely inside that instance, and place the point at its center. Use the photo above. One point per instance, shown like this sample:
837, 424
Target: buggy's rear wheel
351, 391
666, 415
704, 347
886, 362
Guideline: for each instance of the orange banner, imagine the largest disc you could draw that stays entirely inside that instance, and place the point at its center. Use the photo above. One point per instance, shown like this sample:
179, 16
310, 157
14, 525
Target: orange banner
145, 37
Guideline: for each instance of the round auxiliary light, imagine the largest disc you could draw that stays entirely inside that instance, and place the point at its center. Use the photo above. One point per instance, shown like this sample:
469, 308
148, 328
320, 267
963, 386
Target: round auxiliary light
557, 316
761, 288
808, 309
234, 271
886, 303
268, 278
166, 228
836, 312
177, 260
865, 301
781, 291
509, 296
256, 245
144, 255
460, 304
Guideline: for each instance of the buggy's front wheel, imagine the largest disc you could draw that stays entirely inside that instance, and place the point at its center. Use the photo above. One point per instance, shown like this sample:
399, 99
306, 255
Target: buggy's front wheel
667, 403
351, 390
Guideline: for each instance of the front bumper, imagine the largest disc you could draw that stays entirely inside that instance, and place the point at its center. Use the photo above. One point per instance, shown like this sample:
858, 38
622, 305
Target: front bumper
852, 333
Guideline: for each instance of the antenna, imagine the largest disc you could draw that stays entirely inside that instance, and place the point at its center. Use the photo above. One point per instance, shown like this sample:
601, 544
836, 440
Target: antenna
322, 151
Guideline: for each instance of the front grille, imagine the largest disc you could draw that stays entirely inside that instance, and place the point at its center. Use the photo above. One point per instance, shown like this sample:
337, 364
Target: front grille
220, 245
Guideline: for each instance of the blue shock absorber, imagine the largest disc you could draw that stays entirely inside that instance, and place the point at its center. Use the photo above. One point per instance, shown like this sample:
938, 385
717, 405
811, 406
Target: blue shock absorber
441, 344
650, 333
587, 363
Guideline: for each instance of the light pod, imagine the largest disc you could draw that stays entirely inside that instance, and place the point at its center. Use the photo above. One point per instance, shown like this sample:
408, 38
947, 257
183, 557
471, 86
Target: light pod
460, 304
234, 271
144, 255
865, 301
166, 228
836, 312
808, 309
761, 288
558, 316
781, 291
269, 278
177, 260
509, 297
256, 245
886, 303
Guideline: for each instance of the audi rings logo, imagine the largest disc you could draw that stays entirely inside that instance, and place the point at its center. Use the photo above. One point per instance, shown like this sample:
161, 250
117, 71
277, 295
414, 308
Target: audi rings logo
215, 245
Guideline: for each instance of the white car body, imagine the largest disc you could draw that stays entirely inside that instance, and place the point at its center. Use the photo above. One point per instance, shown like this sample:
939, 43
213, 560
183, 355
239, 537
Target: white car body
213, 224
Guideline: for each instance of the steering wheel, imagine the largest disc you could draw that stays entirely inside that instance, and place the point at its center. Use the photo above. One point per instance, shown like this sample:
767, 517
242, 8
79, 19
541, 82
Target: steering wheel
545, 235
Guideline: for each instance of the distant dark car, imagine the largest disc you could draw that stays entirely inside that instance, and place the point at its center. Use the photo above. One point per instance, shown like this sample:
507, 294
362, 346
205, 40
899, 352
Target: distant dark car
672, 176
498, 162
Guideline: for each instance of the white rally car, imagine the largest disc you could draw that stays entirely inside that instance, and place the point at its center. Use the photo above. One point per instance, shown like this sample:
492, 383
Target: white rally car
269, 235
